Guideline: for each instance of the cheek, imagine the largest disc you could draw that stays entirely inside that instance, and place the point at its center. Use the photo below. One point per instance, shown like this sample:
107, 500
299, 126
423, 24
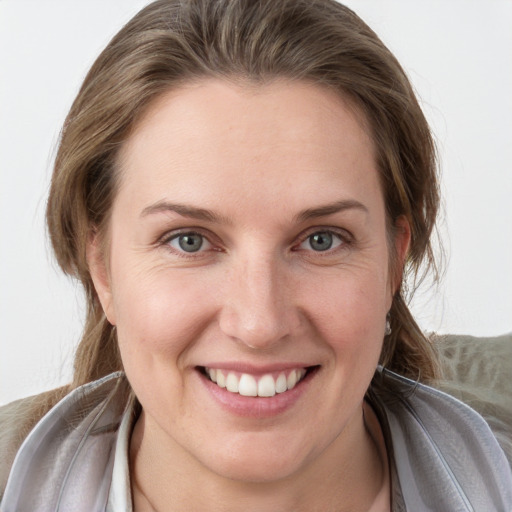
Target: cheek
350, 313
159, 313
160, 316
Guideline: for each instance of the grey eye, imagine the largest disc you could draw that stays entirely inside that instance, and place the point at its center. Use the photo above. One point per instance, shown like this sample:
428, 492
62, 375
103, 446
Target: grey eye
188, 242
321, 241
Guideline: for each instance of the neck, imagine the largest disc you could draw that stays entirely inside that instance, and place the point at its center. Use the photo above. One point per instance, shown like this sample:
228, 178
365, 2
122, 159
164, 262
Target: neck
350, 475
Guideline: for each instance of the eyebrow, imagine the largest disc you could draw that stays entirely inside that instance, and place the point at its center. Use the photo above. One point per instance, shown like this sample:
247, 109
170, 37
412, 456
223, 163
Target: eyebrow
185, 211
208, 215
330, 209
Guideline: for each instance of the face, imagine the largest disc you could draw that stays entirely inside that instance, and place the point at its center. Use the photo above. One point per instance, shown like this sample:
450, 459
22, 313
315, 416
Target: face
248, 252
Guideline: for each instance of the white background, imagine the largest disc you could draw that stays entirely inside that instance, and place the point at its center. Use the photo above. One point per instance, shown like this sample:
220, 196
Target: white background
458, 53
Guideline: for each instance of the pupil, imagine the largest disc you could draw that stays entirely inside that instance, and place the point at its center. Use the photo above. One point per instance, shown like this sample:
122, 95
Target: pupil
190, 243
321, 241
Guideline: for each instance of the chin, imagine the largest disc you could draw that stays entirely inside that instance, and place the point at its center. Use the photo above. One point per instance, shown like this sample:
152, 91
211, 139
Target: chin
258, 460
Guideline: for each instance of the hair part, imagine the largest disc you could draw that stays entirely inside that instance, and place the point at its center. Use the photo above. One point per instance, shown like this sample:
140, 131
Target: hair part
173, 42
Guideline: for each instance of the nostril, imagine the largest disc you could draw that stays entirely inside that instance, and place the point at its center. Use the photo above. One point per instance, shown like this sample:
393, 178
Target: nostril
259, 319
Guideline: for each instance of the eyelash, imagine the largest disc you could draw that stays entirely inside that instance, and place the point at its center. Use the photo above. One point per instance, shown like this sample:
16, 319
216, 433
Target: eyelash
166, 240
346, 241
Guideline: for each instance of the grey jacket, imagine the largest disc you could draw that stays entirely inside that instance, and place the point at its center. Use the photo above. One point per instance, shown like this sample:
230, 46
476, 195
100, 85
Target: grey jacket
445, 458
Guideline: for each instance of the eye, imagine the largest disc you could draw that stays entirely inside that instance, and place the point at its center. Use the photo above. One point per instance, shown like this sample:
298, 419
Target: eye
321, 241
189, 242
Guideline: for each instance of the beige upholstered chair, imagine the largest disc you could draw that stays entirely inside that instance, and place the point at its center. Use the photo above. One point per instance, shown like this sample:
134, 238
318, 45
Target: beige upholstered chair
478, 371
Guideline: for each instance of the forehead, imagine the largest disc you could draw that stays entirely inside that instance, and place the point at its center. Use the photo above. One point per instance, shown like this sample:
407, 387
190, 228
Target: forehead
217, 134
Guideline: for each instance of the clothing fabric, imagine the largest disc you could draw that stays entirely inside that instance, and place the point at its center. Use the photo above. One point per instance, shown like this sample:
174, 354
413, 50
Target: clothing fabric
119, 497
444, 455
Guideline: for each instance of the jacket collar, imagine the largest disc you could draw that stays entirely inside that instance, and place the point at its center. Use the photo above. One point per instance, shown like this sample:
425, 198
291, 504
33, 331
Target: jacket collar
68, 456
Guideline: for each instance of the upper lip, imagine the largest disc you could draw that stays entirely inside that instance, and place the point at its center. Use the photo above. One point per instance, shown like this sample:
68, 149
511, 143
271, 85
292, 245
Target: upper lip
253, 369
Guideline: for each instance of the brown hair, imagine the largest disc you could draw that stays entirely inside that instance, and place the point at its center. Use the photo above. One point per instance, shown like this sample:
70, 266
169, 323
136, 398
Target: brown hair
175, 41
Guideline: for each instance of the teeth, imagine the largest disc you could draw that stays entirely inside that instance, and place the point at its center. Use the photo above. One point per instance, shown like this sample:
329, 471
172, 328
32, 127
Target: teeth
247, 385
266, 386
232, 383
221, 379
281, 385
292, 379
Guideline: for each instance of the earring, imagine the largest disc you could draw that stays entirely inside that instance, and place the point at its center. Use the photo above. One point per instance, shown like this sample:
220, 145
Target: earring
387, 330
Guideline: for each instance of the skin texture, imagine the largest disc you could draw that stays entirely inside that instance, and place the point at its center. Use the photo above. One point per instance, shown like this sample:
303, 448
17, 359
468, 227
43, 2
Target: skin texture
265, 161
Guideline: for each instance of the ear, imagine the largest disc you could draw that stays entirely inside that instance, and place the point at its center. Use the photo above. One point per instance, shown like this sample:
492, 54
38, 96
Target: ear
100, 276
402, 241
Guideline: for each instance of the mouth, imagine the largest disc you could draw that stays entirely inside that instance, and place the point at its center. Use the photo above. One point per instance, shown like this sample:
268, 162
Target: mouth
266, 385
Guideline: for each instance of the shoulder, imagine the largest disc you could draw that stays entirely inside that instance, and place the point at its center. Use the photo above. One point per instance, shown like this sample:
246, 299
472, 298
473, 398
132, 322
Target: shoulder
446, 456
71, 440
11, 415
17, 419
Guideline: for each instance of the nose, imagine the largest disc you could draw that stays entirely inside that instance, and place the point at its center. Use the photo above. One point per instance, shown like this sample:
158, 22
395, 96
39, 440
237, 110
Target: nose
259, 308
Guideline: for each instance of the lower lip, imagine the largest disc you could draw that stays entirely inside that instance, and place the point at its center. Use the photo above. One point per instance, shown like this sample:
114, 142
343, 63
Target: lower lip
253, 406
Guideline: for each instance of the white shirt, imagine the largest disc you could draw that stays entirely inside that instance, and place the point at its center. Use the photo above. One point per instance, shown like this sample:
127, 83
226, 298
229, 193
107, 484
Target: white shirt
120, 496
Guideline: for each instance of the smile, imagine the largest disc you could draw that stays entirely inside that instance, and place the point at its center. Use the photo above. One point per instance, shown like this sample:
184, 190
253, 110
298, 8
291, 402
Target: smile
246, 384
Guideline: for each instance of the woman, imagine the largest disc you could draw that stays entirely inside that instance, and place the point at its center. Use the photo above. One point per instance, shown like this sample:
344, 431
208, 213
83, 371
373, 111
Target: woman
241, 187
